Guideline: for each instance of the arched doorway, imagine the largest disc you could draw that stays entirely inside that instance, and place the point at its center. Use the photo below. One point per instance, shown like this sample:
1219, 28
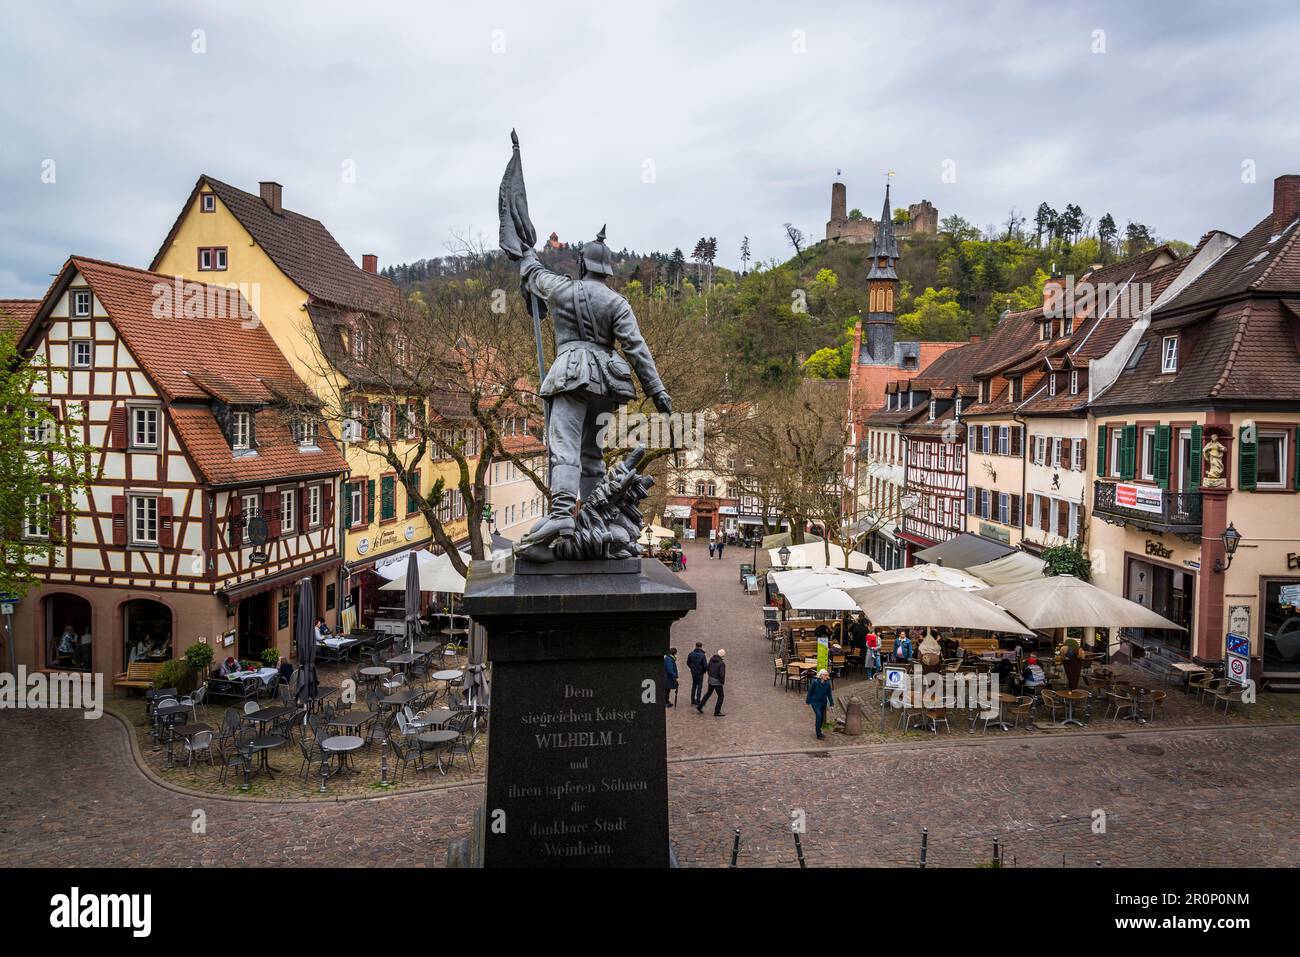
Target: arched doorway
146, 631
68, 640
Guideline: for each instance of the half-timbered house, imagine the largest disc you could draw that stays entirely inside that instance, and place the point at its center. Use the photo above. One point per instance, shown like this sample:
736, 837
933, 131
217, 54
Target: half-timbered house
207, 503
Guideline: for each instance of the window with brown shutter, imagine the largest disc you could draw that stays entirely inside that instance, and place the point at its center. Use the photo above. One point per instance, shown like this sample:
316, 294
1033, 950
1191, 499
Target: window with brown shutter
119, 513
327, 506
1015, 511
117, 431
1062, 519
1081, 449
271, 512
236, 519
304, 511
1016, 434
166, 534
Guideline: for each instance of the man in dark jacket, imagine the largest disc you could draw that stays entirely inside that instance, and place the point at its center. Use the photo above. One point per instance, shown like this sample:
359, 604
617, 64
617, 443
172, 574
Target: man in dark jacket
698, 663
717, 678
670, 675
820, 698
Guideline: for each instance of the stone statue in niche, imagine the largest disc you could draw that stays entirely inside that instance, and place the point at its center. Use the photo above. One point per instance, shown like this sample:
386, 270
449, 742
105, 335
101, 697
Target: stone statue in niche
1213, 452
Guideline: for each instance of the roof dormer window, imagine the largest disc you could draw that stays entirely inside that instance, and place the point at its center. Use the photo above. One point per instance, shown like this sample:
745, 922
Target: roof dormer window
1169, 354
1067, 326
208, 202
1051, 384
1017, 388
241, 431
1074, 382
933, 408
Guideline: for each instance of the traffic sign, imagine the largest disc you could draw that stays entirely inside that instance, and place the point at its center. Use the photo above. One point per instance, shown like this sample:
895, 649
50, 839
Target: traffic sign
895, 678
1238, 669
1238, 645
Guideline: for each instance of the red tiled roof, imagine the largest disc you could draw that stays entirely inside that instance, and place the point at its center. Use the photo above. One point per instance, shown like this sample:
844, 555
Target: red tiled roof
278, 456
302, 248
17, 314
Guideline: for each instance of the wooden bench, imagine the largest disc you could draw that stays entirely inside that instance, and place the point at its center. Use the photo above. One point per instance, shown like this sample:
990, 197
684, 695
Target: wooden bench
977, 646
138, 674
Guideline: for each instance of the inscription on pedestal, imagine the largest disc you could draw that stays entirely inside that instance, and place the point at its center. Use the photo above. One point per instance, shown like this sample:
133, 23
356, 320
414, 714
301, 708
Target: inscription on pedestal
586, 783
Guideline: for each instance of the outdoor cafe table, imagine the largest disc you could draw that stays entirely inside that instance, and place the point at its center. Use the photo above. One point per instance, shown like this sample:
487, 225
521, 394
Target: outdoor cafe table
1003, 700
1137, 697
264, 744
403, 660
188, 731
265, 674
1070, 697
263, 717
352, 720
164, 715
343, 745
438, 737
1188, 672
425, 647
451, 674
399, 698
374, 672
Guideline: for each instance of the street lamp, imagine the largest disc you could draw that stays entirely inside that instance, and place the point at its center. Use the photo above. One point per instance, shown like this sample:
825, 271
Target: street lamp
784, 555
1231, 538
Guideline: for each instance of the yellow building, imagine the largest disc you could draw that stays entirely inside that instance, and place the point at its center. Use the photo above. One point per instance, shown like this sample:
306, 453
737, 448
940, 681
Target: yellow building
313, 299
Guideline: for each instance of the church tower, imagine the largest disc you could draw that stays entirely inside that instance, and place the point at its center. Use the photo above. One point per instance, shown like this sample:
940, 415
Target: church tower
882, 289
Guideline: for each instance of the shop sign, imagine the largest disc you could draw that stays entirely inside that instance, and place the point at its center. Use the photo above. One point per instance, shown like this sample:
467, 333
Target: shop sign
363, 546
410, 532
1158, 549
1144, 498
257, 557
1289, 595
1239, 619
1292, 561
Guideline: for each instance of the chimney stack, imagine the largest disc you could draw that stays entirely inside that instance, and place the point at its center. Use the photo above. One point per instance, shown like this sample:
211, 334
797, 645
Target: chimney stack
974, 338
370, 262
271, 193
1286, 201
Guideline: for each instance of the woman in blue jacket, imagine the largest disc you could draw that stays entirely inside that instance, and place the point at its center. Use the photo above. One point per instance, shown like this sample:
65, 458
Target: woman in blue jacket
819, 696
670, 675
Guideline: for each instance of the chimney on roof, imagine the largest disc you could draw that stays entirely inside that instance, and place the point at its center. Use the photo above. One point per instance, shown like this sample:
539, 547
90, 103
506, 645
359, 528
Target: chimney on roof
1052, 297
1286, 201
370, 262
974, 338
271, 193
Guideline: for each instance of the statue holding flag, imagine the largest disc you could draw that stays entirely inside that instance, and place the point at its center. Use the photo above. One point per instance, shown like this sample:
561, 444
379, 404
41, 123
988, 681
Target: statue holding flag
588, 377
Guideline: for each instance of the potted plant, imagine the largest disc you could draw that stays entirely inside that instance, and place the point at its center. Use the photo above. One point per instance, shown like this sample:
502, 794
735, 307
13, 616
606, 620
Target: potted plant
270, 657
199, 658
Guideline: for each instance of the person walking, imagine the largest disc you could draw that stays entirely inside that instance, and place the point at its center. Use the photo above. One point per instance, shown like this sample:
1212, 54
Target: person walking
721, 546
820, 698
710, 548
670, 675
717, 679
697, 662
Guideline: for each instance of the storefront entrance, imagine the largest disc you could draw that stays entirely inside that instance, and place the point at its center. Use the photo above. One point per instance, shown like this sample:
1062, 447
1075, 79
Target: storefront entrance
1167, 591
1280, 598
254, 625
67, 633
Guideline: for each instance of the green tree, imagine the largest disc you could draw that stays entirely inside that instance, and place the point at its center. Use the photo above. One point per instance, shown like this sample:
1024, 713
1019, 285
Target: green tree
1107, 232
825, 363
44, 466
936, 316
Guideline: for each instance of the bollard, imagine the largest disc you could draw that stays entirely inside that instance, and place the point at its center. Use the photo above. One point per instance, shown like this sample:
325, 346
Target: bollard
170, 762
324, 774
925, 845
383, 762
997, 852
245, 786
798, 848
735, 848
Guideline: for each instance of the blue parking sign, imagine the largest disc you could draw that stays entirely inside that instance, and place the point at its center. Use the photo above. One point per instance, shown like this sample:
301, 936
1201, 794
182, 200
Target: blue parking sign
1238, 645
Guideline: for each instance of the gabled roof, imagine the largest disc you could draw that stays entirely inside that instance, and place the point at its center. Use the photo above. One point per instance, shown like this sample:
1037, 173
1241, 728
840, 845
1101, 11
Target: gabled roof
278, 455
302, 248
224, 348
16, 315
1263, 262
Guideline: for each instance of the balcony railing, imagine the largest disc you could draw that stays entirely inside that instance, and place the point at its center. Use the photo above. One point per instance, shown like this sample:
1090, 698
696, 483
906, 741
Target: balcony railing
1148, 507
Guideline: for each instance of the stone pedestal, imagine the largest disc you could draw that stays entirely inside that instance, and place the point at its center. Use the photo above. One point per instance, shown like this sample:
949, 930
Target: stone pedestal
577, 764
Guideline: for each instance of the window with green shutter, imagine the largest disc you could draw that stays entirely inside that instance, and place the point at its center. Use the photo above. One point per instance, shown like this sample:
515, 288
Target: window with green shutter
1194, 459
370, 501
1128, 452
1247, 458
387, 498
1163, 434
347, 505
1101, 451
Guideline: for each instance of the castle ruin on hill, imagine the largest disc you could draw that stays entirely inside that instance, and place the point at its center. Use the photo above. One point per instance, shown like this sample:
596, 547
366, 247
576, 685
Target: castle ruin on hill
922, 220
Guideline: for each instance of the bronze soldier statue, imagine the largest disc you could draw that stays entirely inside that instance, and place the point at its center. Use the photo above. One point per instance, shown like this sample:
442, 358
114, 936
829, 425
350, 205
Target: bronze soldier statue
588, 377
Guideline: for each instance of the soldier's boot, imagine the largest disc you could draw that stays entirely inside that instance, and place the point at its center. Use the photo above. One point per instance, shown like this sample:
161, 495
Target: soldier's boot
560, 520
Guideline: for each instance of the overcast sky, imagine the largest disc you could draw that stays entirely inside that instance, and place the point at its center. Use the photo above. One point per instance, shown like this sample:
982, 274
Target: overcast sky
667, 120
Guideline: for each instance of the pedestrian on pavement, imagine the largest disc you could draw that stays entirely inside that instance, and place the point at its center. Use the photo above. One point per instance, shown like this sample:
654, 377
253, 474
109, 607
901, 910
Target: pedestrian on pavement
721, 546
717, 678
698, 663
819, 696
670, 675
710, 548
873, 652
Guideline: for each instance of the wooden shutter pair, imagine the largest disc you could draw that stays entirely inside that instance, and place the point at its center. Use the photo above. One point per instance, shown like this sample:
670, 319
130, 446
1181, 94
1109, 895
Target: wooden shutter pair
1247, 459
1062, 518
370, 501
1080, 461
271, 512
387, 498
1161, 470
1017, 433
119, 519
1128, 452
1015, 510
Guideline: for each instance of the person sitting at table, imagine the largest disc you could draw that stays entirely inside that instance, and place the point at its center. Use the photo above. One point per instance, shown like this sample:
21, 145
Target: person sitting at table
1005, 671
821, 631
67, 645
286, 671
321, 630
228, 667
1033, 677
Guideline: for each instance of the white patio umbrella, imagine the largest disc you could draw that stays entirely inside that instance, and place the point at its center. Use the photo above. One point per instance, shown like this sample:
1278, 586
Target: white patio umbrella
656, 532
929, 603
1063, 601
813, 555
436, 574
822, 599
949, 576
777, 539
801, 579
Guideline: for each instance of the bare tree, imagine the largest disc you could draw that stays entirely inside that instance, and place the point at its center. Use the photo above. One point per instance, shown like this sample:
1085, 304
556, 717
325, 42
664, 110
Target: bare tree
795, 237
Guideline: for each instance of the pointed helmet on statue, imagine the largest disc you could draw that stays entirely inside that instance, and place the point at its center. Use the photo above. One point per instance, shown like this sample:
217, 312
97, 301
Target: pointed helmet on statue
597, 257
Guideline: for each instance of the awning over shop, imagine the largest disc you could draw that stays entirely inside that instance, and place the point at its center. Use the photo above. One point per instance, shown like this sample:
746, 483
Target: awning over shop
237, 593
964, 551
677, 511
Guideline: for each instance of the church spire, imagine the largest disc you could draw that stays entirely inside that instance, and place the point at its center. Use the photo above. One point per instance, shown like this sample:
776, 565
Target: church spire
884, 246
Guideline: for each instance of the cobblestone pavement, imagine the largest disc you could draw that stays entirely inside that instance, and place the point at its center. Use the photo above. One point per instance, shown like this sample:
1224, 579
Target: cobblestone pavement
71, 793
